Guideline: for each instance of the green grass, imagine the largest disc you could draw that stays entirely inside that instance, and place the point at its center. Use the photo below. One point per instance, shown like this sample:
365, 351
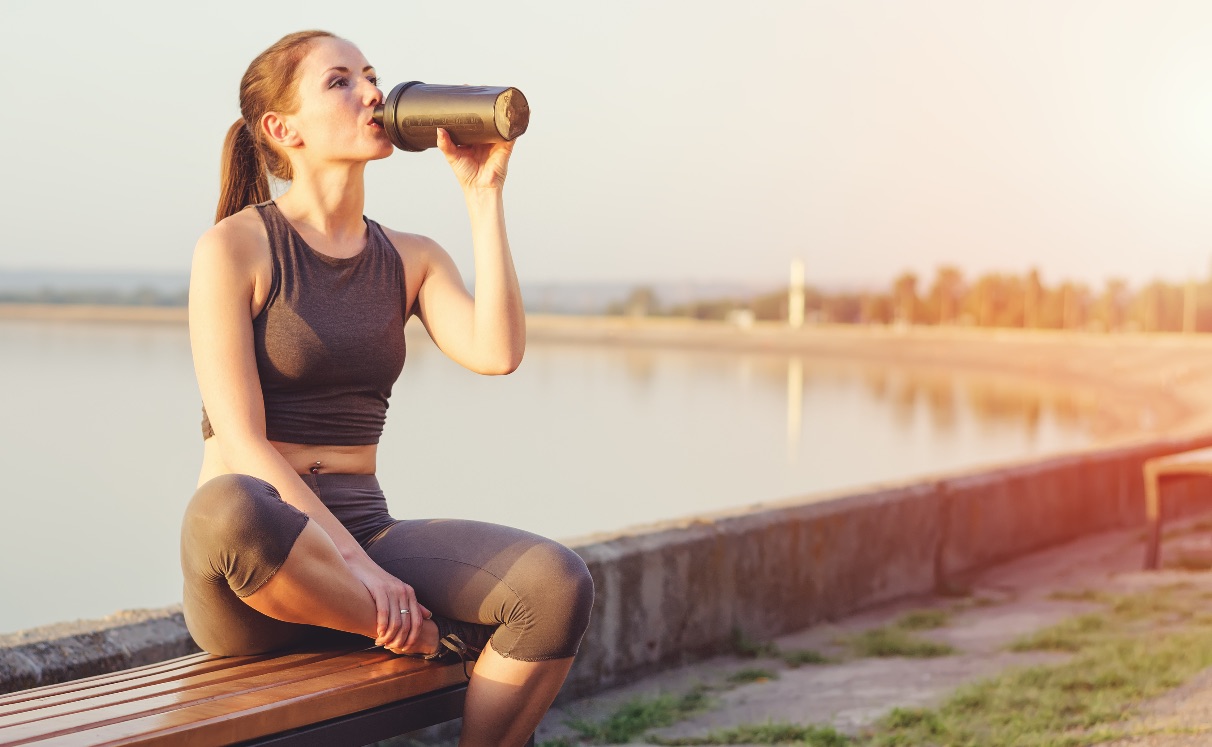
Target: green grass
1137, 648
801, 656
746, 647
1202, 525
974, 602
753, 674
954, 588
924, 619
1069, 635
895, 641
1188, 561
1142, 646
771, 733
638, 715
1081, 595
919, 720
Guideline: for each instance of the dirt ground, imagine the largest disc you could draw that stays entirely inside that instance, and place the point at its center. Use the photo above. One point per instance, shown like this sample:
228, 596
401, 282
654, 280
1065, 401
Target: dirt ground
1006, 603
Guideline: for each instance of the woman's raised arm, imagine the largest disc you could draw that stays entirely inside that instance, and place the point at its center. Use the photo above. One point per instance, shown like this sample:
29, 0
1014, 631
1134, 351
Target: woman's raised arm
485, 333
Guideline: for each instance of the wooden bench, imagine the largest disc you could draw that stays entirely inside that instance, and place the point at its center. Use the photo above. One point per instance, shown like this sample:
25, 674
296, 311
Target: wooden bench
333, 697
1197, 462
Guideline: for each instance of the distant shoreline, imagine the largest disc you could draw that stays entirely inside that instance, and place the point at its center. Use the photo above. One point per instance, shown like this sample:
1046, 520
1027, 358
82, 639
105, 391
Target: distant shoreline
70, 312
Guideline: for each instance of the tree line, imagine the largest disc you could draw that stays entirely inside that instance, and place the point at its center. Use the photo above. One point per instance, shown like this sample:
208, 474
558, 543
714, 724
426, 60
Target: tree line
948, 298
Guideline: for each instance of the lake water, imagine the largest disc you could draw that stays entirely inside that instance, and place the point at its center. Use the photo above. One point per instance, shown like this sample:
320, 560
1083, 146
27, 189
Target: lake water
100, 445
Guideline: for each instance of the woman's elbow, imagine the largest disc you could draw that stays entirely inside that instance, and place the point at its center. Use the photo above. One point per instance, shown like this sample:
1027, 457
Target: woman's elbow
501, 364
504, 366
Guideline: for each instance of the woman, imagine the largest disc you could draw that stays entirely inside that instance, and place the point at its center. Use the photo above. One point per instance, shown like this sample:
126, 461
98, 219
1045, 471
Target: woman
296, 313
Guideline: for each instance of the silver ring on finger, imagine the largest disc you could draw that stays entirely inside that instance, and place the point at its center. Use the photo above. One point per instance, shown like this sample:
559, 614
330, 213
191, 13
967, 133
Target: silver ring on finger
403, 612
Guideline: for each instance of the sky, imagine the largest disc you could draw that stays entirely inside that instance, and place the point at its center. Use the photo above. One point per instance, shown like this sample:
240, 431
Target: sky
669, 141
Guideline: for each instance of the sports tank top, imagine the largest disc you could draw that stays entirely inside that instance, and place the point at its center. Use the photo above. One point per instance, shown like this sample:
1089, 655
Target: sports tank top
329, 341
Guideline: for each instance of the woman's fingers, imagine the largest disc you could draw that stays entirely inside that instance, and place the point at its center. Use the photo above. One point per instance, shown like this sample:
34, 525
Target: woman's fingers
415, 619
400, 637
388, 604
399, 620
446, 145
382, 615
475, 165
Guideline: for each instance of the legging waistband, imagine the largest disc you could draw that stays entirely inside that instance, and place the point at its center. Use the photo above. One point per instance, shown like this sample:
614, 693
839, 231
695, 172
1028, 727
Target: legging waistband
356, 500
341, 480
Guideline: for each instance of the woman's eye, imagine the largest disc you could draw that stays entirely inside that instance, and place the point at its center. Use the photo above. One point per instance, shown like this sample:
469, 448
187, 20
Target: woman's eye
374, 80
338, 82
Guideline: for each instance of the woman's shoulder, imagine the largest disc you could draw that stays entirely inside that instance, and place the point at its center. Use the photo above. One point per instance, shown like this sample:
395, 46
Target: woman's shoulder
413, 248
403, 241
240, 238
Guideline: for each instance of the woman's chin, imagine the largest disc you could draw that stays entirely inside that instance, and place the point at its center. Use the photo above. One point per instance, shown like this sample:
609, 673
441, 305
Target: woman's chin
385, 149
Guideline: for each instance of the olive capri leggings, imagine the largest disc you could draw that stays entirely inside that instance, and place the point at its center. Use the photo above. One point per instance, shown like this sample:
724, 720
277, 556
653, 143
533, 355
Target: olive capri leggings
531, 595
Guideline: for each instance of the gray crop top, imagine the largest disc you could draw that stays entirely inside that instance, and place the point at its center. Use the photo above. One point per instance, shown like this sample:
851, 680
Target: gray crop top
329, 342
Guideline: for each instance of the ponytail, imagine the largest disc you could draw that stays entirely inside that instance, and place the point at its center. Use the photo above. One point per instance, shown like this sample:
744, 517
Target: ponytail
242, 178
268, 85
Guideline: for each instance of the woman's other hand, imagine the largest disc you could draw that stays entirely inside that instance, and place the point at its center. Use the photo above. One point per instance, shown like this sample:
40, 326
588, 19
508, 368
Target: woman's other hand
476, 166
399, 632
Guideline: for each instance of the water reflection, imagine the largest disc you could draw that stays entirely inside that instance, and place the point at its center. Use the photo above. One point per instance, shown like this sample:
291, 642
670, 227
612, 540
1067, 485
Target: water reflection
910, 393
795, 406
943, 402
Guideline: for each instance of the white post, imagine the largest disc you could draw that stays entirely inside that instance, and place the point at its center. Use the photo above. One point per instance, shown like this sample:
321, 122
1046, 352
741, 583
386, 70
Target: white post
795, 406
795, 296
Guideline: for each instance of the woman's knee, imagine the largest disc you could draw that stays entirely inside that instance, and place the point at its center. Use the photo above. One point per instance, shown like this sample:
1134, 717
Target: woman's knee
238, 528
564, 579
555, 598
229, 505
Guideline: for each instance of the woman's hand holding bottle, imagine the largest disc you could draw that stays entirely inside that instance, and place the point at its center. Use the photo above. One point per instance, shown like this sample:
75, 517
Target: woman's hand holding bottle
476, 167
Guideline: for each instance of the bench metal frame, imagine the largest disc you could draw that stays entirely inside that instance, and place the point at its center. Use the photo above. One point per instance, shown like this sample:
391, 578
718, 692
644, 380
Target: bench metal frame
1184, 464
375, 724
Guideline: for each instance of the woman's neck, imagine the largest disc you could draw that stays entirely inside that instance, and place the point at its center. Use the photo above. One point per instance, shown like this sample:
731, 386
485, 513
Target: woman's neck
329, 203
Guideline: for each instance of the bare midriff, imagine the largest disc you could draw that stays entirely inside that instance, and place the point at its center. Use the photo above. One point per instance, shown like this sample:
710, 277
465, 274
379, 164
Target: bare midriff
303, 458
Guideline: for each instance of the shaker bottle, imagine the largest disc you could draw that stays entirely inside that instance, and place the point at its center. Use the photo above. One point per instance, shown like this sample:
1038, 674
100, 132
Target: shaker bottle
412, 113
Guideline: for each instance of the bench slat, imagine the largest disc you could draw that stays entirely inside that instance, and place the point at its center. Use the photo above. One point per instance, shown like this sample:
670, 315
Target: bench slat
126, 674
147, 686
232, 717
215, 691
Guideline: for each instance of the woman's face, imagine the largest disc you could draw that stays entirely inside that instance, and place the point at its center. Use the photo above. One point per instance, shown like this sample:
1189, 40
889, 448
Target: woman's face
337, 93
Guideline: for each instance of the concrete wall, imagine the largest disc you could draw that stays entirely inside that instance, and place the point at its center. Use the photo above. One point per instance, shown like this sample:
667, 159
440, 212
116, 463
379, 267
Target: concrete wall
675, 592
68, 651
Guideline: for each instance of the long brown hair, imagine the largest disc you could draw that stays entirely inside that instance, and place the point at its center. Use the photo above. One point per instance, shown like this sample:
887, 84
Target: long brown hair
268, 85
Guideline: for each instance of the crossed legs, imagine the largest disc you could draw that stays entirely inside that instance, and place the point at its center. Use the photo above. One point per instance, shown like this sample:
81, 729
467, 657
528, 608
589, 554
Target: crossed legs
535, 593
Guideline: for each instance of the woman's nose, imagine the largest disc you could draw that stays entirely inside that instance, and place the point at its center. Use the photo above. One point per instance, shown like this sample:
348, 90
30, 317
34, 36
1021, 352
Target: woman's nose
372, 96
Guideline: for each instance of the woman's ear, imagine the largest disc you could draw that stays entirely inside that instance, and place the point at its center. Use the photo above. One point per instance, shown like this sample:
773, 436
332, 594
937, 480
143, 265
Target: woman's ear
279, 130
